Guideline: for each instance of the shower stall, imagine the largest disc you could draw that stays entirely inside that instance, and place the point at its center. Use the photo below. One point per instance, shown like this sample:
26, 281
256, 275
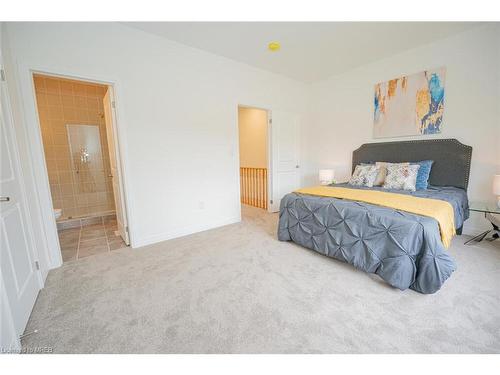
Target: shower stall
89, 171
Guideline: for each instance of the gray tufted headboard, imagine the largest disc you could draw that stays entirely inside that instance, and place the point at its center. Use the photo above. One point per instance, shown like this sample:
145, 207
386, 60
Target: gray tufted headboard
451, 158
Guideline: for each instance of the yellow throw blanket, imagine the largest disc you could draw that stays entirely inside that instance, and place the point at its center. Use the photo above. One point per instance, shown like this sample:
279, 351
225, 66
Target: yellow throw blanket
440, 210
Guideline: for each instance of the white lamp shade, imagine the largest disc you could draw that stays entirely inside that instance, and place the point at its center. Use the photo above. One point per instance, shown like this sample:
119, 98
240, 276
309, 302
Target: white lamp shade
496, 184
326, 176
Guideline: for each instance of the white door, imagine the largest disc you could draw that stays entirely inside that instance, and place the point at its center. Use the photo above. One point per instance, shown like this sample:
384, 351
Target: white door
285, 156
114, 161
19, 275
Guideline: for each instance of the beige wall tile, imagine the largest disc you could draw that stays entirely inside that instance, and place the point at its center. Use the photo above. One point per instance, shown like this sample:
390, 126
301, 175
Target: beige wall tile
81, 200
52, 85
51, 164
92, 103
66, 88
70, 212
80, 102
43, 113
81, 114
53, 177
41, 99
58, 126
53, 99
95, 208
60, 139
65, 177
57, 203
50, 152
68, 202
55, 112
78, 89
55, 191
103, 207
92, 199
90, 90
39, 83
93, 116
67, 190
69, 114
68, 101
102, 197
63, 164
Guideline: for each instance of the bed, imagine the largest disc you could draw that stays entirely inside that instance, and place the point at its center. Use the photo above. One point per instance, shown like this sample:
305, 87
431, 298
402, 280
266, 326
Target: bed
404, 249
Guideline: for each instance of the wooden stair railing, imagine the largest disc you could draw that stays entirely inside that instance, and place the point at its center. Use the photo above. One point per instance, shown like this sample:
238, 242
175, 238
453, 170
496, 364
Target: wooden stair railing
253, 185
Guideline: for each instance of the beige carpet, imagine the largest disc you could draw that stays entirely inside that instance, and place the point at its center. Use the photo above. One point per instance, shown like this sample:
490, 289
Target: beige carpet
237, 289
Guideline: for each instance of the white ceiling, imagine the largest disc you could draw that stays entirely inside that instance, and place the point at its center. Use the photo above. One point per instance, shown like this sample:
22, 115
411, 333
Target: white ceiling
309, 51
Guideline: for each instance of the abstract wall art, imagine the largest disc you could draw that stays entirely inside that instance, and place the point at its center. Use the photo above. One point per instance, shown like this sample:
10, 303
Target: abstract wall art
410, 105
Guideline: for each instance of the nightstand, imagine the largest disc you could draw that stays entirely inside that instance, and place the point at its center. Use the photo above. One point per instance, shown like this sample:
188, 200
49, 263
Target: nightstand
490, 209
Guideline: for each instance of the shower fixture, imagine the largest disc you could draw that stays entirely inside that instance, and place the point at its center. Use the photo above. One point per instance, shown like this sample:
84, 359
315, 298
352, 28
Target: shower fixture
84, 155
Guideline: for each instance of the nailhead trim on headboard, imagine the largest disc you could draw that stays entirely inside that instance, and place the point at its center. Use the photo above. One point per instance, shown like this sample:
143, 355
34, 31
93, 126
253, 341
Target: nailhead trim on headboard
452, 159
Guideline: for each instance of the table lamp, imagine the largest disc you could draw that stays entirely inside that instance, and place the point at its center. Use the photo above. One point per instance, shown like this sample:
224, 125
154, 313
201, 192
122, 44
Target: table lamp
496, 188
326, 176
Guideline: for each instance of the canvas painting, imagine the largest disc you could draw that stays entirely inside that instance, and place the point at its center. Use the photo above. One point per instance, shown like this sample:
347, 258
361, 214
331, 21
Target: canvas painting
410, 105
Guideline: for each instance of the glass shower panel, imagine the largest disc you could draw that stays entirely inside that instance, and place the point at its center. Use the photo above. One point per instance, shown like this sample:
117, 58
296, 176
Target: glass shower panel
87, 168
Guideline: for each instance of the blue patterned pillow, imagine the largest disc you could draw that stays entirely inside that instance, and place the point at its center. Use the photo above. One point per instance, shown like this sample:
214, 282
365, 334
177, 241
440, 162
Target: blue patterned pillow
423, 174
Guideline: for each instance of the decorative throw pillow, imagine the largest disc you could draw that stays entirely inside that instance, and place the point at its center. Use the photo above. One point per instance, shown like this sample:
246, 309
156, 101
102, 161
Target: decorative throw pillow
364, 175
401, 177
382, 165
423, 174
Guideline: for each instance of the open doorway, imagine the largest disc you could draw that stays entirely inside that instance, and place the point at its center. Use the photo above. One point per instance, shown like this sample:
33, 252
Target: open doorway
269, 156
78, 132
254, 156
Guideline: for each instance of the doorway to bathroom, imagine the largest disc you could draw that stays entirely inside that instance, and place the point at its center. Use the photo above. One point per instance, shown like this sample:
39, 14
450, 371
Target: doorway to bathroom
78, 129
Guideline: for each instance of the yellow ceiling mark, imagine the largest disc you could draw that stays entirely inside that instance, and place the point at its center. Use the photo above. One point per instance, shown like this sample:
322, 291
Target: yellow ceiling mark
274, 46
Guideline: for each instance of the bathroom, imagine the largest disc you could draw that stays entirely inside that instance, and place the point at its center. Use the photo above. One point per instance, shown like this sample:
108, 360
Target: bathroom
76, 123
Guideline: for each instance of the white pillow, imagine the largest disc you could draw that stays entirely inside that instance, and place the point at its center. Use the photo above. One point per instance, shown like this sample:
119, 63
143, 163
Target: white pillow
401, 177
379, 181
364, 175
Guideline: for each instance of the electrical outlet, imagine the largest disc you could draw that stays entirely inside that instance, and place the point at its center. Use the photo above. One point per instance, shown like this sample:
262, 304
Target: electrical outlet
201, 205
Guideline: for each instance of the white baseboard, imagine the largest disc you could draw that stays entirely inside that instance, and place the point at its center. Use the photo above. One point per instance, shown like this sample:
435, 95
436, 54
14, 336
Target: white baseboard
180, 232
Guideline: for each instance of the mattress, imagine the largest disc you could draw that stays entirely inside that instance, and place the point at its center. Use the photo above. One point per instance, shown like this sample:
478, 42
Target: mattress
404, 249
455, 196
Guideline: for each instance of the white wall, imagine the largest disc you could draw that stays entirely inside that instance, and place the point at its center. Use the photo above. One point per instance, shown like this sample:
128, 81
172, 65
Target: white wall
252, 123
341, 108
177, 110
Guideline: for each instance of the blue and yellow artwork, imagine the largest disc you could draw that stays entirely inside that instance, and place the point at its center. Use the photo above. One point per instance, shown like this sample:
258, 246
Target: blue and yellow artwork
410, 105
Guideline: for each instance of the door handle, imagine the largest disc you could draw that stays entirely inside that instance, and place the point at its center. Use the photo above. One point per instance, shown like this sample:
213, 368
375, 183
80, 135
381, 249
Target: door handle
297, 166
4, 199
110, 175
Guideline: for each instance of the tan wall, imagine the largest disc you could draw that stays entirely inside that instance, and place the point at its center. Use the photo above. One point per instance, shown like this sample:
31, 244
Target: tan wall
79, 189
253, 137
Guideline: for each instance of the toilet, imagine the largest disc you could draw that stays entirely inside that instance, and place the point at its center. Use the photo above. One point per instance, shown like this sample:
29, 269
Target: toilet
57, 213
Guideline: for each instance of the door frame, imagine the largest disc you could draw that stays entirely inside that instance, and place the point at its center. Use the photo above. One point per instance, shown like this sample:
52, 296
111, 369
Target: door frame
37, 153
113, 126
269, 147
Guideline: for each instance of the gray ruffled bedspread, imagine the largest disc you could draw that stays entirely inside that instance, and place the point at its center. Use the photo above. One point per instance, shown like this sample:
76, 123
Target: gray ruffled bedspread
404, 249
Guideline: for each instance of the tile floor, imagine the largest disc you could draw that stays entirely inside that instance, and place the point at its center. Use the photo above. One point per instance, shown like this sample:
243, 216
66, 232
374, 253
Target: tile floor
89, 240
